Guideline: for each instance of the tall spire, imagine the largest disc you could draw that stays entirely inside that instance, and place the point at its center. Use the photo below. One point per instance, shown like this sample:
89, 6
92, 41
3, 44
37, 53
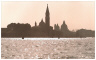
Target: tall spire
47, 10
47, 17
47, 20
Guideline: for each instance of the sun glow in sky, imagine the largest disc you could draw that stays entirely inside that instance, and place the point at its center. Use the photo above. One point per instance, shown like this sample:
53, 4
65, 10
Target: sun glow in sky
76, 14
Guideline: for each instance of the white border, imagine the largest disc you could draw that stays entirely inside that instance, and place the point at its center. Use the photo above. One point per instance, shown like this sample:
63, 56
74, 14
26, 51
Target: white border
95, 29
46, 0
0, 29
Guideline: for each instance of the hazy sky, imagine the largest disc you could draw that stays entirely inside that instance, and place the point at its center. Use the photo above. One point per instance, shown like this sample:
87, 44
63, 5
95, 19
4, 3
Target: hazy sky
77, 15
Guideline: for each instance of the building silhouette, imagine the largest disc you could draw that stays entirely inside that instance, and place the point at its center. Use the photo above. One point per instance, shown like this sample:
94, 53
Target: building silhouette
43, 29
42, 24
47, 20
65, 29
45, 26
56, 27
85, 33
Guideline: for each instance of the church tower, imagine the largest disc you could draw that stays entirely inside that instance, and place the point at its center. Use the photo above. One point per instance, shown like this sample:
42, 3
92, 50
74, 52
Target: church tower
47, 20
47, 17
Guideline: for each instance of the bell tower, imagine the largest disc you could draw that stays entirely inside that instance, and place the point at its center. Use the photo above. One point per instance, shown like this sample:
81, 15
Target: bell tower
47, 20
47, 17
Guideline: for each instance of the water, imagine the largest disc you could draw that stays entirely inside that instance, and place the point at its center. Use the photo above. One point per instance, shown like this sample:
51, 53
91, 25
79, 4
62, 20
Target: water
48, 48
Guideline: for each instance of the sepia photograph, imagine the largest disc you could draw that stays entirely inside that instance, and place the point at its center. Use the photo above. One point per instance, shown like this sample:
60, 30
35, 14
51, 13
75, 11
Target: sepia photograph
47, 29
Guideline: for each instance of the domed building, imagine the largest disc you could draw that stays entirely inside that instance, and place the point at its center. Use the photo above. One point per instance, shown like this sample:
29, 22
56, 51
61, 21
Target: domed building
44, 27
65, 30
42, 24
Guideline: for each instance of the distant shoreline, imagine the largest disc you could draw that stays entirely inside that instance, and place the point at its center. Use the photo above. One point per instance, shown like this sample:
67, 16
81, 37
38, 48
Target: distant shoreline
48, 37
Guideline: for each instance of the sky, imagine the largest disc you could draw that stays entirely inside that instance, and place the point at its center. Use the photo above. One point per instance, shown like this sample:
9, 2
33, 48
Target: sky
76, 14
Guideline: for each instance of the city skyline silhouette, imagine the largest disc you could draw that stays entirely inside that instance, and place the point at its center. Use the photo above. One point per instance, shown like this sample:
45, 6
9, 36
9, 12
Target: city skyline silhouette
57, 16
44, 29
47, 29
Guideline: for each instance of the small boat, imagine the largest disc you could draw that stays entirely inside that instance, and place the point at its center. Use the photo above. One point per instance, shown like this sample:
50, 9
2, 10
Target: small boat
23, 37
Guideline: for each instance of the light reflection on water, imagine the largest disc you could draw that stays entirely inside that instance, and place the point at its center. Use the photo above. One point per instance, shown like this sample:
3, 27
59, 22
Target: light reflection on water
48, 48
45, 38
